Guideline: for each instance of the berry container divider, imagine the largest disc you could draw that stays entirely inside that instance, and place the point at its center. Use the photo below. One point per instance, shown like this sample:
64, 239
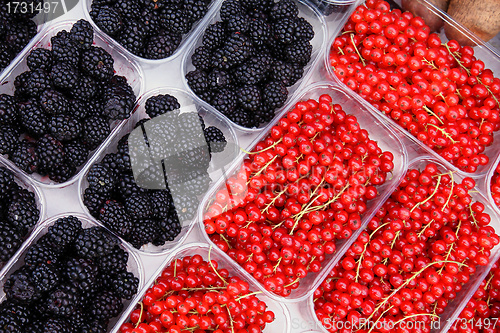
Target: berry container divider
482, 51
306, 10
211, 119
134, 264
123, 66
281, 324
28, 184
153, 63
387, 139
453, 310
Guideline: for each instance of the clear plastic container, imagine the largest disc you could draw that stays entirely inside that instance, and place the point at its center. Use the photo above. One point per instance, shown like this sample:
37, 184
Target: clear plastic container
387, 140
455, 307
134, 264
483, 51
152, 63
488, 182
312, 15
28, 184
123, 66
217, 165
281, 323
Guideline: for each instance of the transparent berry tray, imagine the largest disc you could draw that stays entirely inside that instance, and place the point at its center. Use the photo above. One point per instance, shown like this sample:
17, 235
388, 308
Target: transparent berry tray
152, 63
123, 66
134, 264
455, 307
281, 324
28, 184
217, 165
482, 51
378, 131
318, 42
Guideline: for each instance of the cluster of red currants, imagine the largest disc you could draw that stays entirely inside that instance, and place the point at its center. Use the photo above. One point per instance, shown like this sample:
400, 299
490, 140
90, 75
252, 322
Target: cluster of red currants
439, 92
304, 186
495, 186
418, 251
481, 313
193, 295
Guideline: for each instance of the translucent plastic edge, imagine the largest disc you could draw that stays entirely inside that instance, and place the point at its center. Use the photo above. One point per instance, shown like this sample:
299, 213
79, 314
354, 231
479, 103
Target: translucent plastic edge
366, 218
141, 101
51, 30
186, 39
41, 204
487, 184
475, 280
223, 262
133, 258
313, 65
466, 32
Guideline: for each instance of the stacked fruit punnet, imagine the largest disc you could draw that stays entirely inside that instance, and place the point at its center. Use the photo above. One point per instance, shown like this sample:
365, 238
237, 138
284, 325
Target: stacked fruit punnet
439, 92
304, 186
482, 310
193, 295
419, 250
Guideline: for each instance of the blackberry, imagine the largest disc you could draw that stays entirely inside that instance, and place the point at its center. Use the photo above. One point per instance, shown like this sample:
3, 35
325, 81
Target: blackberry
114, 216
25, 157
257, 5
32, 118
259, 32
41, 253
86, 89
54, 102
105, 306
20, 85
298, 72
192, 154
218, 79
251, 72
80, 273
64, 76
150, 19
249, 97
274, 94
133, 36
237, 49
162, 46
9, 323
238, 23
63, 232
50, 152
138, 206
185, 206
23, 213
10, 241
94, 242
284, 9
160, 104
145, 231
161, 203
75, 153
284, 30
81, 110
128, 9
37, 83
21, 313
195, 9
214, 36
283, 71
97, 63
20, 288
95, 131
114, 262
18, 34
201, 58
8, 139
119, 99
151, 177
225, 101
62, 173
6, 182
40, 59
241, 117
197, 81
45, 277
94, 326
82, 34
192, 183
264, 115
8, 113
299, 52
189, 126
215, 139
304, 30
125, 285
101, 178
64, 49
175, 20
64, 128
230, 8
170, 228
109, 20
93, 200
110, 161
56, 325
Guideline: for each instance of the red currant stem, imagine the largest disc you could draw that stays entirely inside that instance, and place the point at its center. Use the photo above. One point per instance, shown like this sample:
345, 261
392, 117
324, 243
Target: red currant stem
294, 282
274, 200
262, 150
489, 281
456, 58
428, 198
205, 288
226, 240
275, 267
263, 168
175, 267
416, 315
472, 214
395, 238
360, 259
247, 295
443, 131
488, 88
298, 216
380, 317
451, 194
298, 158
430, 63
231, 321
348, 32
444, 99
312, 259
432, 114
446, 258
425, 228
341, 52
213, 267
357, 51
140, 316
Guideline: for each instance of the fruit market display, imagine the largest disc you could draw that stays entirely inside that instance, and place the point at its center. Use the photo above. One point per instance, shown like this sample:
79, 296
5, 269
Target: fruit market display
62, 107
142, 215
17, 28
421, 247
72, 280
249, 58
437, 91
18, 214
302, 187
148, 29
194, 295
